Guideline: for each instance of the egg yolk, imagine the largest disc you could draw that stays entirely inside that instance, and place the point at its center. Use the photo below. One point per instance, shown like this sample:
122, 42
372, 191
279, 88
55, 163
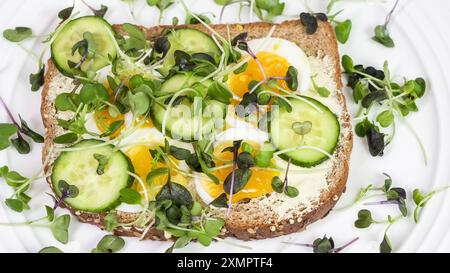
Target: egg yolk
103, 120
141, 159
273, 65
260, 182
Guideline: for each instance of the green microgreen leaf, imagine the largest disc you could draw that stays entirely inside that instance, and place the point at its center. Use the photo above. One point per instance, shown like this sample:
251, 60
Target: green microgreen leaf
139, 102
342, 30
221, 201
220, 92
386, 245
50, 249
111, 222
67, 190
65, 13
102, 162
179, 153
196, 209
137, 39
385, 118
66, 138
277, 184
323, 245
37, 79
292, 78
241, 178
347, 64
381, 31
60, 228
382, 36
25, 129
93, 93
245, 160
265, 155
176, 193
114, 127
14, 204
67, 102
193, 21
155, 173
50, 213
7, 130
17, 34
109, 244
364, 219
291, 191
21, 145
130, 196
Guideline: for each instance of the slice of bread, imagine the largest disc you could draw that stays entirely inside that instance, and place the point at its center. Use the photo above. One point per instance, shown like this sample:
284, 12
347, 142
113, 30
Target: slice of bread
263, 217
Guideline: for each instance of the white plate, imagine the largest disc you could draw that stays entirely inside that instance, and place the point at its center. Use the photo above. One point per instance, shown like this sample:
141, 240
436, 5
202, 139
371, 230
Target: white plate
423, 49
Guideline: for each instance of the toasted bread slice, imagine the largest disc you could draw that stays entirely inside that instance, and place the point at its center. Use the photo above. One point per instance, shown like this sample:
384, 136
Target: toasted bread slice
263, 217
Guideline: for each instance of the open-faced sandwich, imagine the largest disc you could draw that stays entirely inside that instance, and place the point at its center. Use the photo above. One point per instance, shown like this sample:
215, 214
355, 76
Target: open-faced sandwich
196, 131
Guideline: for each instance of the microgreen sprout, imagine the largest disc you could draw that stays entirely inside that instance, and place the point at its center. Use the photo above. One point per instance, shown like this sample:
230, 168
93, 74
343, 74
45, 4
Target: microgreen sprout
393, 195
240, 41
389, 101
381, 31
50, 249
365, 220
341, 28
324, 245
66, 191
282, 186
65, 13
59, 226
109, 244
236, 146
421, 199
321, 90
19, 34
97, 12
265, 10
291, 80
7, 130
161, 5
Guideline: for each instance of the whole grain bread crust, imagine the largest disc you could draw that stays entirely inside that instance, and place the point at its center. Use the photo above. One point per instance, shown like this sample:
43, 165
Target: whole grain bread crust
245, 227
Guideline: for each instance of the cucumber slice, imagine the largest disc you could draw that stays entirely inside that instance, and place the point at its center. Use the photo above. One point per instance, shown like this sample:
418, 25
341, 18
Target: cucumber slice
180, 81
183, 123
72, 33
97, 193
190, 41
324, 132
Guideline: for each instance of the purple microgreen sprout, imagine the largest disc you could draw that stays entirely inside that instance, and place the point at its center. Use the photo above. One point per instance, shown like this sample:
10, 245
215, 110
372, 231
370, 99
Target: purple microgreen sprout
383, 202
290, 191
67, 191
324, 245
97, 12
236, 146
285, 181
20, 128
240, 41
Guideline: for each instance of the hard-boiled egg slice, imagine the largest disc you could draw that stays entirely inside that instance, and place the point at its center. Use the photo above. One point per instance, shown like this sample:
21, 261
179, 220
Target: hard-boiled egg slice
260, 181
275, 55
